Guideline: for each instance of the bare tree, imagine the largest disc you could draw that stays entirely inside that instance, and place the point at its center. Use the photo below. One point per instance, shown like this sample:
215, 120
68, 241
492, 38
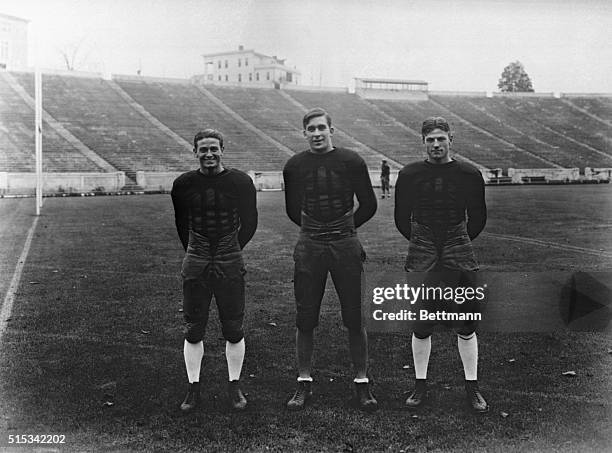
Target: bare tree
73, 54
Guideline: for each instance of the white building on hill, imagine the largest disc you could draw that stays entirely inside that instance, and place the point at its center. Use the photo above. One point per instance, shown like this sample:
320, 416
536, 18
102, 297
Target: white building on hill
13, 43
245, 66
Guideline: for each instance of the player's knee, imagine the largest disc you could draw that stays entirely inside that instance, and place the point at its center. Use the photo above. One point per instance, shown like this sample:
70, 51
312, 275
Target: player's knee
466, 333
234, 337
232, 331
422, 334
194, 332
306, 324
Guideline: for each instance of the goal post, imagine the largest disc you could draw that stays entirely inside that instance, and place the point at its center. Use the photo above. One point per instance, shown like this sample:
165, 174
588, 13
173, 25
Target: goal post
38, 137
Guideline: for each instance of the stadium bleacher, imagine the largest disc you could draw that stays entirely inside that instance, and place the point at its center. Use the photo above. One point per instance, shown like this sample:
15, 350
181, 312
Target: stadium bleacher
601, 107
469, 141
148, 124
95, 114
357, 118
267, 110
580, 139
186, 110
17, 140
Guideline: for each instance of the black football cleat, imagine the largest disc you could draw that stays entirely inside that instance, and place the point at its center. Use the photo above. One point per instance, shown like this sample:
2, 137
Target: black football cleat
303, 393
192, 399
418, 397
364, 398
236, 397
474, 398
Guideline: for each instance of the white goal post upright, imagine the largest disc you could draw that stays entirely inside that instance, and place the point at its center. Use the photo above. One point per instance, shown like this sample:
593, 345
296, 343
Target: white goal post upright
38, 138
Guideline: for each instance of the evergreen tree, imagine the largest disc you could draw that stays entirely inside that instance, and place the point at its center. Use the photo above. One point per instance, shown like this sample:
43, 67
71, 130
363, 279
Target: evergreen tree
514, 78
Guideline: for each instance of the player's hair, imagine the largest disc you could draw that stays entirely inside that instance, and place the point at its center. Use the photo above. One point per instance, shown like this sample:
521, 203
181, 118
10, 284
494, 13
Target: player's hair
313, 113
434, 122
208, 133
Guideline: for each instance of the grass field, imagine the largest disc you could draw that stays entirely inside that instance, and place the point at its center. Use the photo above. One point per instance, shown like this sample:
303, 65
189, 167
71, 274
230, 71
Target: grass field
93, 347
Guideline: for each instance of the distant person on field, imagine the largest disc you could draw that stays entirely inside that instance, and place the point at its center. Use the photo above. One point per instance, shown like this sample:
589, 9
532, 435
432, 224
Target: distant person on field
440, 208
385, 174
320, 185
216, 216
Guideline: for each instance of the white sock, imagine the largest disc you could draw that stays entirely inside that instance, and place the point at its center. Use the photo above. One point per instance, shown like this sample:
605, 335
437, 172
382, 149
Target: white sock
363, 380
304, 379
421, 348
234, 353
468, 351
193, 353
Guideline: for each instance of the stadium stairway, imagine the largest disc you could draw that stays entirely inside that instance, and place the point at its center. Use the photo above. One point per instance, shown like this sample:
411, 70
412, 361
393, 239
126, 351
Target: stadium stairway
131, 185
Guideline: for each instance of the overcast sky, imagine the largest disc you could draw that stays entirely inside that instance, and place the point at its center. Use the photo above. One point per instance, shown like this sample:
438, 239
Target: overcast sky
565, 45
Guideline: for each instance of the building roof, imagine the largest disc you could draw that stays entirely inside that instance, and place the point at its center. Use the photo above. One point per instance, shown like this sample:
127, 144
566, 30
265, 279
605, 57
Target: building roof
234, 52
276, 66
380, 80
8, 16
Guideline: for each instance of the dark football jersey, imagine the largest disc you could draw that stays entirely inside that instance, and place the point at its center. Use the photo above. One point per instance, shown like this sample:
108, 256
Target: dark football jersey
439, 196
323, 186
215, 206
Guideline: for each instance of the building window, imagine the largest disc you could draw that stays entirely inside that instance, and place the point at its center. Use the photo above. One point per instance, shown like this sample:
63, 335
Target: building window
219, 78
210, 77
226, 77
257, 76
239, 62
250, 77
268, 75
239, 77
226, 63
246, 61
289, 75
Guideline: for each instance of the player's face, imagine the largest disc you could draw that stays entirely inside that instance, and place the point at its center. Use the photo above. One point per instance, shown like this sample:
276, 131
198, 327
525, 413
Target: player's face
318, 135
209, 152
437, 144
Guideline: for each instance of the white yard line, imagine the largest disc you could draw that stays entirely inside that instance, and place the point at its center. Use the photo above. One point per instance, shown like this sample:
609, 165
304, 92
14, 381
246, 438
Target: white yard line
554, 245
7, 306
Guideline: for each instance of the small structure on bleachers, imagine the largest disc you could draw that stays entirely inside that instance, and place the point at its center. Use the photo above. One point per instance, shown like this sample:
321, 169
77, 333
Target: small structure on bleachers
247, 67
377, 88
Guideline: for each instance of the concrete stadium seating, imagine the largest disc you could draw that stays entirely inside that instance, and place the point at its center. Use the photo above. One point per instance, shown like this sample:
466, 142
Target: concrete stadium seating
469, 141
185, 110
357, 118
94, 113
17, 141
263, 126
